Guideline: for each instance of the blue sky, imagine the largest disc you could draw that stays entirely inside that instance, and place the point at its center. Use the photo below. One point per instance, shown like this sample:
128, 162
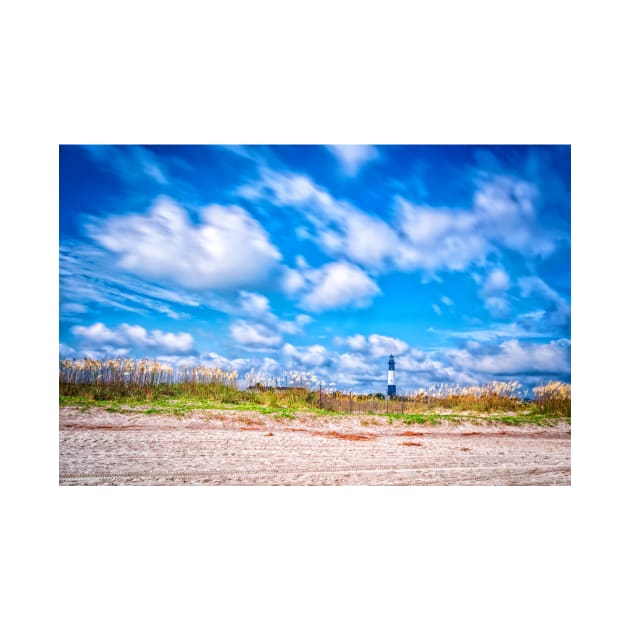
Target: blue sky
323, 259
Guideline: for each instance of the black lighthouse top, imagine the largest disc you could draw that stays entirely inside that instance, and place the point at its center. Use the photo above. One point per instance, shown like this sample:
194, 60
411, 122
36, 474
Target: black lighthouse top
391, 362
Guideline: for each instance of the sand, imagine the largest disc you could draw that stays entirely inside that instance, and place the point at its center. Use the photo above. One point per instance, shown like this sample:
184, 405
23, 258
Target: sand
248, 448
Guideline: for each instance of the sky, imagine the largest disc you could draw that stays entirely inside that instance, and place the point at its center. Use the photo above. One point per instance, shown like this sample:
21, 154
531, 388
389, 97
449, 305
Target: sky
321, 259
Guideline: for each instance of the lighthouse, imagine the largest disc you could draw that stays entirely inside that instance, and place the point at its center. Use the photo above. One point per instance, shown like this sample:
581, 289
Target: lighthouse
391, 383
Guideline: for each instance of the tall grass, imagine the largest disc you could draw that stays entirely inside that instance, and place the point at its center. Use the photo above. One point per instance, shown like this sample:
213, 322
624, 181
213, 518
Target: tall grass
118, 379
554, 397
147, 380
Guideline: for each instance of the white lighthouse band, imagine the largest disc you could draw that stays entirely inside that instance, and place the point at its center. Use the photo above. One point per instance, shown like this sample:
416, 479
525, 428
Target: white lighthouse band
391, 381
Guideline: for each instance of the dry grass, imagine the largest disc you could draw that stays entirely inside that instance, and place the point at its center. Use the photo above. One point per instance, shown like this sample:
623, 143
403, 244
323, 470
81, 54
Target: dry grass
148, 380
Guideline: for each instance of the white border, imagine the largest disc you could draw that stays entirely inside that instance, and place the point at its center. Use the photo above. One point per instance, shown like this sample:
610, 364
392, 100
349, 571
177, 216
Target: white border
285, 72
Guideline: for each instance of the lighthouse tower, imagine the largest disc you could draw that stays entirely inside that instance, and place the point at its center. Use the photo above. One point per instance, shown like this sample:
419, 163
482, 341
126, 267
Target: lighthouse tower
391, 383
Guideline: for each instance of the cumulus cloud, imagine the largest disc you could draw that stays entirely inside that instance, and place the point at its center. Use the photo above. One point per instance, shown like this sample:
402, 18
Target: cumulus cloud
263, 335
494, 290
254, 304
256, 326
291, 281
132, 337
505, 208
497, 282
420, 369
258, 320
254, 336
356, 367
381, 346
513, 357
352, 157
375, 345
336, 285
502, 214
357, 342
228, 249
438, 239
308, 356
295, 326
339, 227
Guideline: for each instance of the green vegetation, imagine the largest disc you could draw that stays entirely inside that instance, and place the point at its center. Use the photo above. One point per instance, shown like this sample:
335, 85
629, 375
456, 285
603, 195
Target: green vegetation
419, 418
143, 386
284, 406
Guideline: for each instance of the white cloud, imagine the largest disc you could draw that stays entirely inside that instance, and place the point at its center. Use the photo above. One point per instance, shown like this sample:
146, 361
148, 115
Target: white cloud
477, 363
352, 157
355, 365
87, 281
357, 342
493, 290
494, 332
423, 369
533, 285
381, 346
303, 319
340, 229
558, 315
253, 304
265, 365
255, 307
497, 282
309, 356
438, 239
501, 214
336, 285
446, 300
66, 350
437, 309
257, 327
506, 210
296, 326
291, 281
99, 335
254, 335
497, 306
513, 357
375, 345
228, 249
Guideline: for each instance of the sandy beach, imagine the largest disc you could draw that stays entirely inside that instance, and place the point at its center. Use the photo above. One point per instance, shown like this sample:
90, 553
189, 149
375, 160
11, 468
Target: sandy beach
220, 447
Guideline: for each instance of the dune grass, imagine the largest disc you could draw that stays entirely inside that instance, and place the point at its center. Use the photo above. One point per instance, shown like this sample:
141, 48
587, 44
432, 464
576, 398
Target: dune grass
285, 405
126, 385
